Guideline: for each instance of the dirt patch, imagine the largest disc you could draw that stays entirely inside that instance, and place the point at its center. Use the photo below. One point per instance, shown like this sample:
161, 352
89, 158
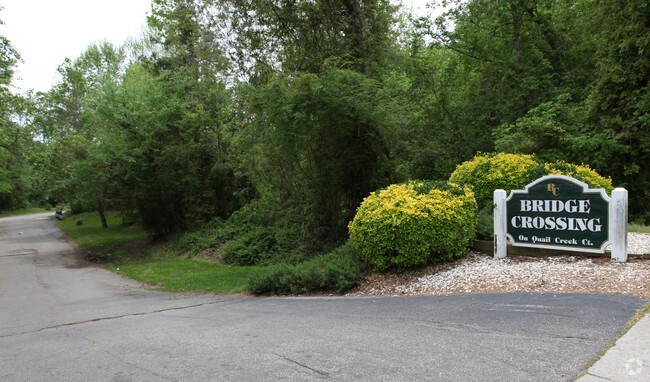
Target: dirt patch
79, 254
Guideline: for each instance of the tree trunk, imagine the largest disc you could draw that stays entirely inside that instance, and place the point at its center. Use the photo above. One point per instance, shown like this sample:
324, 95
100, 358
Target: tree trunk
100, 210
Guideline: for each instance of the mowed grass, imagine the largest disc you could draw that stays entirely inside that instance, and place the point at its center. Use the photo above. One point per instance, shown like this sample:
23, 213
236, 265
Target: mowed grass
156, 265
638, 228
188, 275
90, 235
25, 211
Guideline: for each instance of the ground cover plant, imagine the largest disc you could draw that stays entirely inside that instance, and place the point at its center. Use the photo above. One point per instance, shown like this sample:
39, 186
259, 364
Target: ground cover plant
337, 271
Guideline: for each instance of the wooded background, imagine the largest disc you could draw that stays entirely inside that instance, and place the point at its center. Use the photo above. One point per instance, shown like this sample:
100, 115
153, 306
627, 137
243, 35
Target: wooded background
293, 111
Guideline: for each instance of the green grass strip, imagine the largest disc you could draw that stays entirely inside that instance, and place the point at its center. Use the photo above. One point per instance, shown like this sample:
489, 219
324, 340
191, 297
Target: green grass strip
189, 275
91, 235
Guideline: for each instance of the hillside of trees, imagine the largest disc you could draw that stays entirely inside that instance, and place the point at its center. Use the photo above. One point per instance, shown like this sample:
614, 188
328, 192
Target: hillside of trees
284, 115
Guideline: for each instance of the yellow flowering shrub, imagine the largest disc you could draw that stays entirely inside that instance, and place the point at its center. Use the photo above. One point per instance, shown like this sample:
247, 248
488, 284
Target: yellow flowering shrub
413, 224
580, 172
488, 172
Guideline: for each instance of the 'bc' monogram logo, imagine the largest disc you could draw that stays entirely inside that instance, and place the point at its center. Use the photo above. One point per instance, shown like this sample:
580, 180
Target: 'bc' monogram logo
551, 188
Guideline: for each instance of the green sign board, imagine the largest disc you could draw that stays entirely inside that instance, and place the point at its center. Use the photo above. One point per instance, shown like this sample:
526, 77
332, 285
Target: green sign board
558, 212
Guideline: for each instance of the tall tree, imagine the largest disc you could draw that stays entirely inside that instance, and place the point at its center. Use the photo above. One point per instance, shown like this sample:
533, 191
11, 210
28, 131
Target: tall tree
313, 122
69, 123
620, 101
14, 138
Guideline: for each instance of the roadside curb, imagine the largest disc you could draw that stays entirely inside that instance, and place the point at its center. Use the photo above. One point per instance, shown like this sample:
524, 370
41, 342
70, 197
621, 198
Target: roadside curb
628, 360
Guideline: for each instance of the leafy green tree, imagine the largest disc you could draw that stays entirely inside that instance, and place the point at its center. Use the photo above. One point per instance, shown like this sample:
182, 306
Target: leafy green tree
313, 121
14, 137
318, 140
67, 120
620, 101
165, 120
300, 36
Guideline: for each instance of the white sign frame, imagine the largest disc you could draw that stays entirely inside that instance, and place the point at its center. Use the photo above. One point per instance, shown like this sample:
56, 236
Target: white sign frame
617, 220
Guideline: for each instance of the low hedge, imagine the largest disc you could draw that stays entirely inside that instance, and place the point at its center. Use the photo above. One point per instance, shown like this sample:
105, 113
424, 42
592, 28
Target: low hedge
413, 224
337, 271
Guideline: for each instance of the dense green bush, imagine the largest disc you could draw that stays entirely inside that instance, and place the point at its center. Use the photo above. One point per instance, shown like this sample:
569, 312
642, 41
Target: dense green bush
257, 247
337, 271
262, 232
414, 223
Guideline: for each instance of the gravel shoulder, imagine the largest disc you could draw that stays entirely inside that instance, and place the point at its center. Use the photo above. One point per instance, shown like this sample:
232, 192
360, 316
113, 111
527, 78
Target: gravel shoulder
482, 273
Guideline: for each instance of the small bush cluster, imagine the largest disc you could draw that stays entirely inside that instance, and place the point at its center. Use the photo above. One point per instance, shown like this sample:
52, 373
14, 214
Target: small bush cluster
337, 271
413, 224
254, 235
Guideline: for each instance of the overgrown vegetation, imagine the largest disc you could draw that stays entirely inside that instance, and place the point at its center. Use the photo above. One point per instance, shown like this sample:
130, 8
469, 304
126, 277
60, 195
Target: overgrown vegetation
337, 271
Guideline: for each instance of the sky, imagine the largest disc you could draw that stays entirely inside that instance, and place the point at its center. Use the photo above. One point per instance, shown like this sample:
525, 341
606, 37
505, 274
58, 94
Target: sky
45, 32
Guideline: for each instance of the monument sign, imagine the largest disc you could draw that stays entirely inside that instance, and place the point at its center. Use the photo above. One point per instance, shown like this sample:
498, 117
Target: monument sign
561, 213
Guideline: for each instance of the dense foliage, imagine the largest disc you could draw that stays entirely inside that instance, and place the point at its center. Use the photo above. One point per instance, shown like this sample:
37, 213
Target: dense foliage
413, 224
337, 271
263, 124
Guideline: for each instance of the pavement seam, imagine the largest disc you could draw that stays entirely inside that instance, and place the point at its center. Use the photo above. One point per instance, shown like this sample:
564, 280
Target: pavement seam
111, 318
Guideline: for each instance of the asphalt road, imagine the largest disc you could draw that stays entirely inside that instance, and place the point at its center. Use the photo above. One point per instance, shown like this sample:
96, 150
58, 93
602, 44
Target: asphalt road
61, 321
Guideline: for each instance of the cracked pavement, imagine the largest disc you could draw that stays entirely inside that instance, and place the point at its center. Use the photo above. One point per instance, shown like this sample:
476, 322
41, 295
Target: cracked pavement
60, 320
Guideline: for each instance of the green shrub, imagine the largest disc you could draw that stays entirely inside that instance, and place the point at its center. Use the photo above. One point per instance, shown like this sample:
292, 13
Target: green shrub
488, 172
580, 172
262, 232
337, 271
414, 223
252, 248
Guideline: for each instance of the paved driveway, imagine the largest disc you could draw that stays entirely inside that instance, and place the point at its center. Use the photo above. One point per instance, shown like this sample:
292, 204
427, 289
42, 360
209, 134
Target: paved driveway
60, 321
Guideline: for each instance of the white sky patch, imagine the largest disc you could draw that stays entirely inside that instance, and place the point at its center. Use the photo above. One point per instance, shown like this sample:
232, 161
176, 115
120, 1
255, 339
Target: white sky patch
45, 32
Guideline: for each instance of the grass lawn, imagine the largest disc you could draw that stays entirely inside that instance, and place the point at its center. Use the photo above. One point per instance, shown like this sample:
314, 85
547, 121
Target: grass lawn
154, 265
25, 211
188, 275
638, 228
90, 235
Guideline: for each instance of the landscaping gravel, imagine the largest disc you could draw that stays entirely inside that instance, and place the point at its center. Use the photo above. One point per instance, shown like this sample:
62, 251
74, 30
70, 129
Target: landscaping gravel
482, 273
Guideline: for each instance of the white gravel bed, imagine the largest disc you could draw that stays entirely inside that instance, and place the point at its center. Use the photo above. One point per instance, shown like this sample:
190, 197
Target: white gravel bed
638, 243
481, 273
